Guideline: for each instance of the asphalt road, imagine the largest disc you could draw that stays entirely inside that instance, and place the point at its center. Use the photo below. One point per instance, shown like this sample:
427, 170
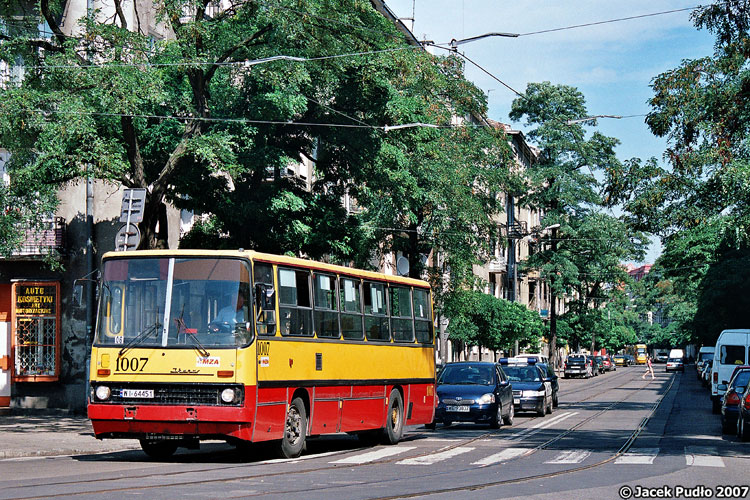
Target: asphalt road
611, 435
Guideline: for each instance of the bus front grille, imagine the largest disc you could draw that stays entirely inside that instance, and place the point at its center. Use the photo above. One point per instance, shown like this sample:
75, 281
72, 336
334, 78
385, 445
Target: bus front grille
169, 394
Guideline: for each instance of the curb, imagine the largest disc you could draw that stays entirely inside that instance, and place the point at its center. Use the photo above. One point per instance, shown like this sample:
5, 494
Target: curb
9, 454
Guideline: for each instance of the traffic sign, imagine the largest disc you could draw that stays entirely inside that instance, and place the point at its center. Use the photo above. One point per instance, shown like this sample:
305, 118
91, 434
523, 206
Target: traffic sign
133, 202
128, 238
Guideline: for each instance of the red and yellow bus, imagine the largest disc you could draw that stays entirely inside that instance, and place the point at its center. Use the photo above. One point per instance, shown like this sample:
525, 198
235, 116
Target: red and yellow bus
243, 346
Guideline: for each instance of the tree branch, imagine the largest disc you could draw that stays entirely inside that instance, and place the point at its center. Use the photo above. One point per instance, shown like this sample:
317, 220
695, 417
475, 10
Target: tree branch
61, 37
121, 14
228, 53
134, 151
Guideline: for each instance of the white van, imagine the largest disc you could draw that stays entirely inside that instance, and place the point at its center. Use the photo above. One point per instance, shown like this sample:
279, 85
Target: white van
730, 352
677, 353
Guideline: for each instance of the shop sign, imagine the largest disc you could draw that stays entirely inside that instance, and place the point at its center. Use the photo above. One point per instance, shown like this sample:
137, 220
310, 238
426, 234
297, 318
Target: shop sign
36, 300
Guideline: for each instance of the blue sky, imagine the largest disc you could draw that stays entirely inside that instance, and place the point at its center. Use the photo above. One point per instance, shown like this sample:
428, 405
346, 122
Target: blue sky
611, 64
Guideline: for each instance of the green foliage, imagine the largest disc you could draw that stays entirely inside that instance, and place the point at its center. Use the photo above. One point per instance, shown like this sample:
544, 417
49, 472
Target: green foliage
480, 319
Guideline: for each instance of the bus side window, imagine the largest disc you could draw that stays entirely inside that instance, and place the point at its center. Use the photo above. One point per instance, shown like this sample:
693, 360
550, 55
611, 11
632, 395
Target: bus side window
351, 309
376, 313
326, 306
265, 300
401, 317
295, 306
422, 316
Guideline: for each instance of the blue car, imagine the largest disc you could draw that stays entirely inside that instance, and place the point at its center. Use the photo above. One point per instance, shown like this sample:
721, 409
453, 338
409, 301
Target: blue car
532, 386
474, 391
730, 404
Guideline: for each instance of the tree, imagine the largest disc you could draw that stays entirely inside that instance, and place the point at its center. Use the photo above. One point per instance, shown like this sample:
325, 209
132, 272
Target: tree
584, 253
480, 319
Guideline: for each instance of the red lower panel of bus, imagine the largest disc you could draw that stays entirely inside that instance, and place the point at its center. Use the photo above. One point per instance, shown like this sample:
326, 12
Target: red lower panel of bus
333, 409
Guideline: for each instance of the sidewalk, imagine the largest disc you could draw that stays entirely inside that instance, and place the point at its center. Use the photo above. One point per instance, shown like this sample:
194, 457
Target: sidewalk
28, 433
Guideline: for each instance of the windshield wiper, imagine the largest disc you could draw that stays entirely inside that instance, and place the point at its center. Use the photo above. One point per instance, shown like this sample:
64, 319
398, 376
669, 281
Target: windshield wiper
182, 328
138, 339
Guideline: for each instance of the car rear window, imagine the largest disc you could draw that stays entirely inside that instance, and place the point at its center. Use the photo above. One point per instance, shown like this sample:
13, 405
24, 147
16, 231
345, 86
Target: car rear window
741, 379
733, 355
576, 358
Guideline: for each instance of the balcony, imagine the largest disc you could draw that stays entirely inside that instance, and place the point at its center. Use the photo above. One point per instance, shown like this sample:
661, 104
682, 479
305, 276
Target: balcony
40, 242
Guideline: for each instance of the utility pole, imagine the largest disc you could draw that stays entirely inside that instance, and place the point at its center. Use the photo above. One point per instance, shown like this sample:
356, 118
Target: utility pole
553, 308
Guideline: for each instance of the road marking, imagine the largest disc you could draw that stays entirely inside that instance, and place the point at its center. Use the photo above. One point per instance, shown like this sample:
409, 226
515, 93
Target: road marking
541, 426
570, 457
638, 456
503, 456
372, 456
703, 456
435, 457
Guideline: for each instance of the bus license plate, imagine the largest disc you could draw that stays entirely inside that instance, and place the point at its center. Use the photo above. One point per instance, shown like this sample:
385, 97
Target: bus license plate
460, 409
137, 393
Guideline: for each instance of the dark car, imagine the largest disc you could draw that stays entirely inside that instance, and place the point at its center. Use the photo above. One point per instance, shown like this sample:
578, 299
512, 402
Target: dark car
730, 402
599, 364
532, 387
552, 376
474, 391
578, 365
631, 359
661, 357
743, 415
706, 372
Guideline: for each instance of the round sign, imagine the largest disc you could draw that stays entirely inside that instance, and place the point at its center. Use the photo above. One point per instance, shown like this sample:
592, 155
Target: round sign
128, 238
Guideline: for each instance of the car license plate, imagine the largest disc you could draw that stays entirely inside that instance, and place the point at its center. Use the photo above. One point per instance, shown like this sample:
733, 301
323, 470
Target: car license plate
460, 409
516, 401
137, 393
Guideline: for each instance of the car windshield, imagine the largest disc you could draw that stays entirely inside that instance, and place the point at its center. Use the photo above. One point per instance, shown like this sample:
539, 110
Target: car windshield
522, 374
467, 375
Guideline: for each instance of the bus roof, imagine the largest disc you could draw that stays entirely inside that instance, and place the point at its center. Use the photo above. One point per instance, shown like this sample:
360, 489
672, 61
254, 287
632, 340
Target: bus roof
270, 258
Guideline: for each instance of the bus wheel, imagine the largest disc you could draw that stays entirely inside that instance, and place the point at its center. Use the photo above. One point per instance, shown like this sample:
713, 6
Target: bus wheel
394, 423
158, 450
295, 427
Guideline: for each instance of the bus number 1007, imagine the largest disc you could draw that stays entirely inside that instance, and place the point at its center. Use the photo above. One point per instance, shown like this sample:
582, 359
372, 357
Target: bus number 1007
131, 364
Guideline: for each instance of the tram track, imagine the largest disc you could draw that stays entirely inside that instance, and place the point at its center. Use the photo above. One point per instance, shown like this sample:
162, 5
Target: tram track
180, 475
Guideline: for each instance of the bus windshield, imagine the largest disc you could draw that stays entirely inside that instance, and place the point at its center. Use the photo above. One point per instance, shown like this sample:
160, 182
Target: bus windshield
175, 302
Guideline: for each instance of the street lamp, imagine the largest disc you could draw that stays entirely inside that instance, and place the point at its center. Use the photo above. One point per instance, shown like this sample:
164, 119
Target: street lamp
455, 43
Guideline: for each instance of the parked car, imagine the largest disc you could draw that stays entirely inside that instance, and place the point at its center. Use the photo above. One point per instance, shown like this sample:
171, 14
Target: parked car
599, 363
532, 387
578, 365
743, 415
675, 364
730, 402
706, 372
621, 360
705, 353
631, 359
609, 365
474, 391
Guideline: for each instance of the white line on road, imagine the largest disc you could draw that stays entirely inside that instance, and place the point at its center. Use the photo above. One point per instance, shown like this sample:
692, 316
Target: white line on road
703, 456
372, 456
503, 456
638, 456
570, 457
435, 457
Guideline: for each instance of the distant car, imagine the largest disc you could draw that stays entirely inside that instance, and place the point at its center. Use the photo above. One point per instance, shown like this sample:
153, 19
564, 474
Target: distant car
532, 388
730, 402
474, 391
578, 365
631, 359
553, 379
599, 363
609, 365
661, 357
620, 360
706, 372
675, 364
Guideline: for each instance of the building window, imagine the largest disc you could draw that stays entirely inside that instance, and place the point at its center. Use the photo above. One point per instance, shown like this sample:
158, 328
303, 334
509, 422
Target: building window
36, 331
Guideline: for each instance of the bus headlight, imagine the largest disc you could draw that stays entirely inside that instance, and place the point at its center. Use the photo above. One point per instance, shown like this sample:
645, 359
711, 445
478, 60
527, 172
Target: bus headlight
228, 395
103, 393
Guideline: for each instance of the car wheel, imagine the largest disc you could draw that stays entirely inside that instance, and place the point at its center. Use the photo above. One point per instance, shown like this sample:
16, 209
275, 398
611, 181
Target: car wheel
542, 411
497, 418
725, 427
555, 402
742, 433
549, 406
430, 426
508, 419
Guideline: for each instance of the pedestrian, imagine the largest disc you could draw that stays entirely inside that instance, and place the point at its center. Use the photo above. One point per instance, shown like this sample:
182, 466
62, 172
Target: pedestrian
649, 368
